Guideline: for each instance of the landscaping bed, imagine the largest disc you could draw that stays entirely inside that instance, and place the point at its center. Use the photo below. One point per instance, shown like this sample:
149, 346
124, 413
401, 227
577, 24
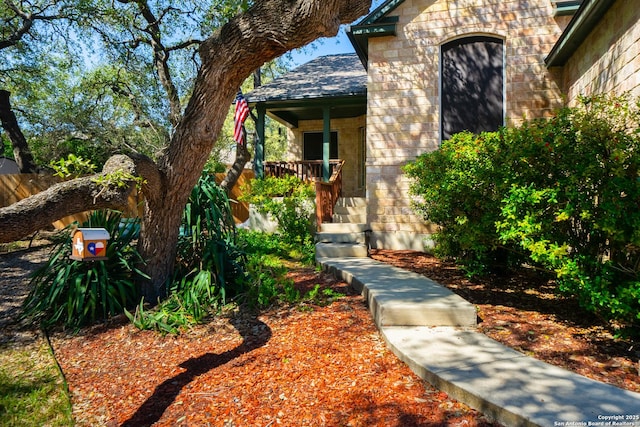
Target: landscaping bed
314, 364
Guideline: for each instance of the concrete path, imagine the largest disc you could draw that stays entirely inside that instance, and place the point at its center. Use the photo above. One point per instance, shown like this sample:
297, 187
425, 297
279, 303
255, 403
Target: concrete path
514, 389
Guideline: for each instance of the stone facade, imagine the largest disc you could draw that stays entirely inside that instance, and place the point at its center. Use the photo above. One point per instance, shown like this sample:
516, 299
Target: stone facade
403, 106
608, 61
350, 149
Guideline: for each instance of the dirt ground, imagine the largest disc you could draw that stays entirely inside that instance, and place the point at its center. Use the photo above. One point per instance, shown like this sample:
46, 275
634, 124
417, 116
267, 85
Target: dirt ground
306, 365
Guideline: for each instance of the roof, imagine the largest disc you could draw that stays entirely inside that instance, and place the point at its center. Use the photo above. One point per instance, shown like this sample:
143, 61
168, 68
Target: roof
337, 82
324, 77
580, 26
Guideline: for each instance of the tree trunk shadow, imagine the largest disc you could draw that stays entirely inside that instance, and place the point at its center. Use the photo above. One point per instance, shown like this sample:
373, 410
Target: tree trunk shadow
255, 334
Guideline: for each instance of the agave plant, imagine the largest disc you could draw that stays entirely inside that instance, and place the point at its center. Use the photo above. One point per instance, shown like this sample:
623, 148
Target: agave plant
76, 293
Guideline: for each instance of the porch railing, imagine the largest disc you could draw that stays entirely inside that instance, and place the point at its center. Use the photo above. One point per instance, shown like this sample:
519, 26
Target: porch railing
306, 170
327, 193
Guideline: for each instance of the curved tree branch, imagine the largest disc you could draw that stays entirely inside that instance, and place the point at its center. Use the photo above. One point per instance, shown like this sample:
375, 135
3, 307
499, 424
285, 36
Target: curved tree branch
78, 195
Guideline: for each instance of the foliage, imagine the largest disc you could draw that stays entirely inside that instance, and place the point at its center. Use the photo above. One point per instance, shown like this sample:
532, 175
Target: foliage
289, 200
268, 259
72, 167
32, 388
209, 265
76, 293
562, 192
458, 188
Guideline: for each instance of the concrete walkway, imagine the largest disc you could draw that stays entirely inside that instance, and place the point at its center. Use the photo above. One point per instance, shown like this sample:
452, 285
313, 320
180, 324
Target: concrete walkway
431, 329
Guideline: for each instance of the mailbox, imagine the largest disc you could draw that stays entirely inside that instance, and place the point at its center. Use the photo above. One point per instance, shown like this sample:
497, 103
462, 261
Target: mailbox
89, 244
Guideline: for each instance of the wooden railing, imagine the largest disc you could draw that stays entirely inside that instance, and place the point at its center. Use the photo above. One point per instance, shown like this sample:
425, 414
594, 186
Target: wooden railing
306, 170
327, 193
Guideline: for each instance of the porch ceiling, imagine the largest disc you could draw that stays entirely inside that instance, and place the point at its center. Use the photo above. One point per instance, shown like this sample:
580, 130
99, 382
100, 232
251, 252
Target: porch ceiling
290, 113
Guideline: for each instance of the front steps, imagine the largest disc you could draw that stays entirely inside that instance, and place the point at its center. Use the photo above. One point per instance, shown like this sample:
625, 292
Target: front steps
347, 235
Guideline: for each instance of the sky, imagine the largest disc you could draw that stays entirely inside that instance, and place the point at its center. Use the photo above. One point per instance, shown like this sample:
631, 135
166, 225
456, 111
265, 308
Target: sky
327, 46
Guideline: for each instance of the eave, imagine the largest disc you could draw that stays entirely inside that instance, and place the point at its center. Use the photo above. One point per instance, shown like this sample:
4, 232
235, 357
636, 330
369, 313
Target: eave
376, 24
583, 22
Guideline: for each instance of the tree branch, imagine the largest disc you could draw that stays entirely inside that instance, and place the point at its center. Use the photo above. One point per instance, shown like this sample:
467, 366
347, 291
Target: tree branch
70, 197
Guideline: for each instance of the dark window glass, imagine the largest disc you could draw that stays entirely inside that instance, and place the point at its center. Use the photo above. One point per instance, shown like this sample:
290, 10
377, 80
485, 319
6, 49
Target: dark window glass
312, 149
472, 85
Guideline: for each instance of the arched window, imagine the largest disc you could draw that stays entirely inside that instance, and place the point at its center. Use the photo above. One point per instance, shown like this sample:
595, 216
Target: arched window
472, 88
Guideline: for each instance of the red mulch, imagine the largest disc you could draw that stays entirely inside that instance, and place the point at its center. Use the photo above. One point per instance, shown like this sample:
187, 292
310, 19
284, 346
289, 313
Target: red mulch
289, 366
322, 365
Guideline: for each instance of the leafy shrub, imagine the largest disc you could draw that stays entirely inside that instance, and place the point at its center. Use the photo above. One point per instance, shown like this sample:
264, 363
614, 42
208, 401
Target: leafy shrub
289, 200
458, 187
76, 293
562, 193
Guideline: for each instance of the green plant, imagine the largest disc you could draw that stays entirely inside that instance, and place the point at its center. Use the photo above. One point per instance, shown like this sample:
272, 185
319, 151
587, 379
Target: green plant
560, 193
72, 167
32, 388
289, 200
76, 293
210, 267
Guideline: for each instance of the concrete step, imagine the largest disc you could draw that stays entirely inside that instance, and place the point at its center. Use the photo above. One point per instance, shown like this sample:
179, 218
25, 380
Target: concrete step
355, 219
350, 210
333, 227
399, 297
341, 250
352, 237
352, 201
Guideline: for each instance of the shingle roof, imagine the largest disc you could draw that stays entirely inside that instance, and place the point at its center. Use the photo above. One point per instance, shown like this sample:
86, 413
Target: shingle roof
324, 77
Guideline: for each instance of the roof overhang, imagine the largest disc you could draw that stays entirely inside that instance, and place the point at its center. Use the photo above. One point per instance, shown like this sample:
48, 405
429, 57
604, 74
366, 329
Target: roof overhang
291, 112
376, 24
580, 26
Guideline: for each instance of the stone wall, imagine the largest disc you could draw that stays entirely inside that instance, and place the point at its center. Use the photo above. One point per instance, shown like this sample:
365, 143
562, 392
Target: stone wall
403, 93
608, 61
350, 147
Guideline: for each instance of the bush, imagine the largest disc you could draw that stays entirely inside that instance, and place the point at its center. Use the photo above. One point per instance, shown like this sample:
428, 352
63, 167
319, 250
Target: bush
76, 293
289, 200
562, 193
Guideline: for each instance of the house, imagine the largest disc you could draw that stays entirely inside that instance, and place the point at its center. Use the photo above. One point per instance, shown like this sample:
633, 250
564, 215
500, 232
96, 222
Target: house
436, 67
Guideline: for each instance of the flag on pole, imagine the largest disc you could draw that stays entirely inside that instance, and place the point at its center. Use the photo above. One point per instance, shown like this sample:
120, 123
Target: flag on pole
242, 111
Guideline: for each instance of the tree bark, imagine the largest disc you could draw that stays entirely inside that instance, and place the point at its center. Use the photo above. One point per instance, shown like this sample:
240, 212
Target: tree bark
242, 157
21, 151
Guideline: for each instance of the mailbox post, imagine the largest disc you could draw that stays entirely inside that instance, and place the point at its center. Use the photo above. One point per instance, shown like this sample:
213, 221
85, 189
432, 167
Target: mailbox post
89, 244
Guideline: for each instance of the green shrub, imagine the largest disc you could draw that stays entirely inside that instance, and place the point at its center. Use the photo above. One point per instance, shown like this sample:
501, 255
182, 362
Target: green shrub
458, 187
562, 193
76, 293
289, 200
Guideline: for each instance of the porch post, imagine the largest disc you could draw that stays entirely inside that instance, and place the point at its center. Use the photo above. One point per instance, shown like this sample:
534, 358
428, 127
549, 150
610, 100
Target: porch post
326, 143
259, 157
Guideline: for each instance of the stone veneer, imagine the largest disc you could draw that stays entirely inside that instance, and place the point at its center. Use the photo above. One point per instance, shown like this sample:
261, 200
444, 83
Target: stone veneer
350, 147
403, 93
608, 61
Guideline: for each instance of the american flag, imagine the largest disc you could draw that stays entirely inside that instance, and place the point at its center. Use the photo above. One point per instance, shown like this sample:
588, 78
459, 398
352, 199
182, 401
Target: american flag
242, 111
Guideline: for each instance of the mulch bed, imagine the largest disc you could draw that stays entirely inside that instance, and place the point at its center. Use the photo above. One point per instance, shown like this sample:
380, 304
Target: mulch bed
290, 366
319, 365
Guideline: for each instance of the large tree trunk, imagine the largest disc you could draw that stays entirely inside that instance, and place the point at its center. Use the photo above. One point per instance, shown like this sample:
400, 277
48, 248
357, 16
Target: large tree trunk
21, 151
267, 30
